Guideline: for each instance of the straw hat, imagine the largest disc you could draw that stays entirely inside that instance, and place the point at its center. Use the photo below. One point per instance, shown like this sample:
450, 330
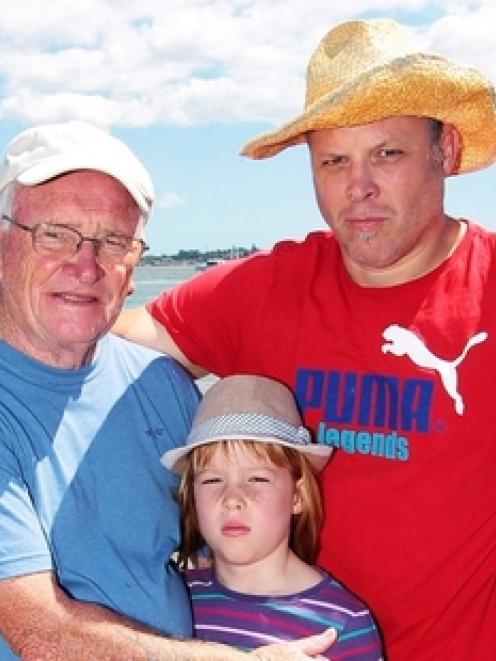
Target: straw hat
247, 407
364, 71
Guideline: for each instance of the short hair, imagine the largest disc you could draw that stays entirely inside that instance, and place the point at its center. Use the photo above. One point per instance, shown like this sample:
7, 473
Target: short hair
305, 526
435, 129
6, 197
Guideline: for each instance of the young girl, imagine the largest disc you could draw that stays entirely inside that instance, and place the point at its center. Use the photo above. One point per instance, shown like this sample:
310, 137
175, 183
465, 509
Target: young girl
249, 492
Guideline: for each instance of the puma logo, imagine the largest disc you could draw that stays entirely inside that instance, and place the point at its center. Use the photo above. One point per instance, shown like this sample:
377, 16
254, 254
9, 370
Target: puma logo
403, 342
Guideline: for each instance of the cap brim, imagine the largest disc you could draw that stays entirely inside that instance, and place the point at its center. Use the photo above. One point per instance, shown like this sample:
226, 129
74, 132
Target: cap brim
317, 455
58, 164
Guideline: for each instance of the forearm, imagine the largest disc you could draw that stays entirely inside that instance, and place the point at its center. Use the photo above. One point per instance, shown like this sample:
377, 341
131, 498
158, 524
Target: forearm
111, 641
117, 639
41, 623
139, 326
116, 642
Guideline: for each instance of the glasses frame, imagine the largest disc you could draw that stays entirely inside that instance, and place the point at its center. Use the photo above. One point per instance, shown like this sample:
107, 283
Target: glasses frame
97, 243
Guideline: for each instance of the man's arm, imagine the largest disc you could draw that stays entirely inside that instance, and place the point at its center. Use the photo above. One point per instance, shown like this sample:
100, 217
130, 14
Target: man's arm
41, 623
139, 326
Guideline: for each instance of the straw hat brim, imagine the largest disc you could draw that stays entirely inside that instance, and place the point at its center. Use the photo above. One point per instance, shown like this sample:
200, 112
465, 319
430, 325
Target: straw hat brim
423, 85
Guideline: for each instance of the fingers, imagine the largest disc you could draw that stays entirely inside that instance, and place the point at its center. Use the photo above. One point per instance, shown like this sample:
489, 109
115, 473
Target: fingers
302, 649
317, 644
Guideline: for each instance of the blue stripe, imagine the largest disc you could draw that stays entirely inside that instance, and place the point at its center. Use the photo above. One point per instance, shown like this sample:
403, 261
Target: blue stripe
357, 633
304, 614
210, 596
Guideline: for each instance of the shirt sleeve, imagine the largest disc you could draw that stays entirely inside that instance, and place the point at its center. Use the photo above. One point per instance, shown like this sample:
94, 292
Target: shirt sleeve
23, 547
210, 315
359, 639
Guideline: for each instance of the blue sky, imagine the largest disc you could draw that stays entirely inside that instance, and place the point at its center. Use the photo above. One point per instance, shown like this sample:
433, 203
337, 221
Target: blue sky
186, 82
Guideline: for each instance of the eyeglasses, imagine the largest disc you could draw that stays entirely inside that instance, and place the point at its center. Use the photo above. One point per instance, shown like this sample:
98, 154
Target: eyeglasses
63, 242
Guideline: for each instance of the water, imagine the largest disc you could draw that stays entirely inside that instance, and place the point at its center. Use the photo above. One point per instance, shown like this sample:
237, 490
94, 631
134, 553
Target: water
150, 281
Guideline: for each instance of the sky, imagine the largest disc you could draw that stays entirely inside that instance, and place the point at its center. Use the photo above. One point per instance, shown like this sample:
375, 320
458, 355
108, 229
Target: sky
185, 83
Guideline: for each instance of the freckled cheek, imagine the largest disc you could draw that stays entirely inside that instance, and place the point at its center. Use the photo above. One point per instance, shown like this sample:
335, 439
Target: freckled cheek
256, 496
205, 500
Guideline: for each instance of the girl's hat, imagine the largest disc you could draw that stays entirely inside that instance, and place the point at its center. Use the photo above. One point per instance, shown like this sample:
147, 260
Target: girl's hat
364, 71
247, 407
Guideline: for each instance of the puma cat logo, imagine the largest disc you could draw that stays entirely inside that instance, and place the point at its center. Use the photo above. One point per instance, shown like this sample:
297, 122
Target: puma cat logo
403, 342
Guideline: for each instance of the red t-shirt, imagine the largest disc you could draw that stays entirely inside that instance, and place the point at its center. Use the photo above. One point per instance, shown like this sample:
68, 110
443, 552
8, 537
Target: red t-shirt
402, 381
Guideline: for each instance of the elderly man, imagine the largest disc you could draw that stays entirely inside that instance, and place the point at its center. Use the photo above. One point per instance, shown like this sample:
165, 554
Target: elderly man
384, 327
88, 519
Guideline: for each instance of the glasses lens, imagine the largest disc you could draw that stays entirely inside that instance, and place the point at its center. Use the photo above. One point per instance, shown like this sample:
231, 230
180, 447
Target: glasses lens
115, 247
55, 240
62, 242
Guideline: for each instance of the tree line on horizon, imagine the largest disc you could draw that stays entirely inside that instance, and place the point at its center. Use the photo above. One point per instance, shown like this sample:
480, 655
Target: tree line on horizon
195, 255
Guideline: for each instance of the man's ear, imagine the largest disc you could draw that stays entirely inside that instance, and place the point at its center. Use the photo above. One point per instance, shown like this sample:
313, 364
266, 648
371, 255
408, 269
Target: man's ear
450, 144
298, 497
131, 288
1, 254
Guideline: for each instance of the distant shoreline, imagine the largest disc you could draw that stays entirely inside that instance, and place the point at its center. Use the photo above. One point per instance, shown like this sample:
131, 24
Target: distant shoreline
193, 257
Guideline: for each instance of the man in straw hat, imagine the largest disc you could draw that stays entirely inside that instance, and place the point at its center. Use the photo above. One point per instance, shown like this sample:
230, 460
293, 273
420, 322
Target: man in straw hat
384, 329
88, 519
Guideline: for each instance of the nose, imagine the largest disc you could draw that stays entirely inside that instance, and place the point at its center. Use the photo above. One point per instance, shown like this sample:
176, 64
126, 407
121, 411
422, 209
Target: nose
233, 497
361, 185
85, 263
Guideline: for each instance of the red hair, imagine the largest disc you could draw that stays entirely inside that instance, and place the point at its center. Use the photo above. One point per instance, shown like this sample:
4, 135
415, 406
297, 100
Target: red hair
305, 526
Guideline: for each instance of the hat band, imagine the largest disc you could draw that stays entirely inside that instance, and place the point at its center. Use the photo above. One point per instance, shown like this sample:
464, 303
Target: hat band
249, 425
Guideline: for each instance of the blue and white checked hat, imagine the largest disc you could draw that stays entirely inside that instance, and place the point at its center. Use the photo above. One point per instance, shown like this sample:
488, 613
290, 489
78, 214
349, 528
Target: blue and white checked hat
249, 407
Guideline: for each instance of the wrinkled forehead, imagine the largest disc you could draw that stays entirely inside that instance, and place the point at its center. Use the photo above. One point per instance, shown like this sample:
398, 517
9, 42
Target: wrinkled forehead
400, 126
78, 192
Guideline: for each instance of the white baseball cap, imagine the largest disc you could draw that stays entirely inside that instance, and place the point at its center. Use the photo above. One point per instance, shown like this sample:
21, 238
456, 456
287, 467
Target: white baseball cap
47, 151
248, 407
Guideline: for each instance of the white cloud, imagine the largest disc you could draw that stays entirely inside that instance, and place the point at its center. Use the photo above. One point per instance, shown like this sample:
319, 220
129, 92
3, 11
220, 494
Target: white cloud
467, 36
185, 62
168, 200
